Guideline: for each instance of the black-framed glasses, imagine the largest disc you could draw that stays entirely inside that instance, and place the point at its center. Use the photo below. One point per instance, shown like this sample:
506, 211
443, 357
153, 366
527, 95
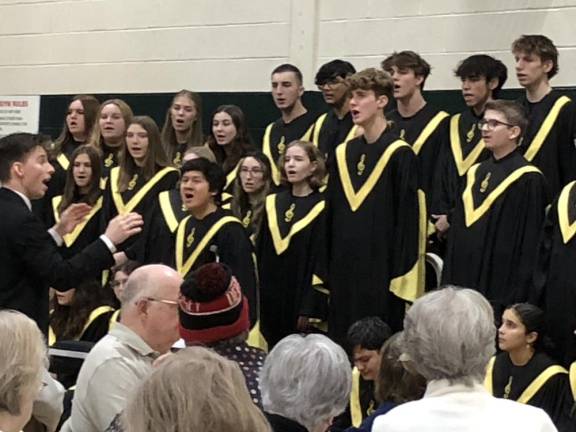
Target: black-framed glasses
491, 124
161, 300
331, 82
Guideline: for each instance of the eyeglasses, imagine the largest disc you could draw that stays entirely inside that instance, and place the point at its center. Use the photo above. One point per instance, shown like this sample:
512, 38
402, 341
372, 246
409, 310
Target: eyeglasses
161, 300
332, 82
329, 84
491, 124
254, 171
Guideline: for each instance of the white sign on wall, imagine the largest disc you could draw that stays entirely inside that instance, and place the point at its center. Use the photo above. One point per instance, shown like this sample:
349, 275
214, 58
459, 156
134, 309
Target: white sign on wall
19, 114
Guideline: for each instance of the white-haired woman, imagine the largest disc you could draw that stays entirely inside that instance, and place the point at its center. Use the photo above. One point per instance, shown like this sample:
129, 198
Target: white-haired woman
22, 361
305, 382
449, 336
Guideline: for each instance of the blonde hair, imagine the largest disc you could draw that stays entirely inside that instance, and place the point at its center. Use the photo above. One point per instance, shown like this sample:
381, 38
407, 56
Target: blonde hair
379, 81
194, 390
202, 151
22, 360
127, 114
195, 136
316, 180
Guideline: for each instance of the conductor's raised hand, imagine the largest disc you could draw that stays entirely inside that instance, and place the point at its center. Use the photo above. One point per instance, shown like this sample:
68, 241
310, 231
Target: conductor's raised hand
71, 217
124, 226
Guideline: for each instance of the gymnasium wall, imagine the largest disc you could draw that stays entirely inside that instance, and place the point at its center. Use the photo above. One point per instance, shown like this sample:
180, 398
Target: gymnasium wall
146, 49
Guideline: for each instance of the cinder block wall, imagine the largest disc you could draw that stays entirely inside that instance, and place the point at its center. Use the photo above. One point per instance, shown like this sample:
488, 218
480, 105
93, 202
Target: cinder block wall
62, 47
444, 32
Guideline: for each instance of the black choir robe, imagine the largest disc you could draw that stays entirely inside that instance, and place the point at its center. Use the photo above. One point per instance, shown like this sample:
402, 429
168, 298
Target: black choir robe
362, 404
555, 275
493, 239
292, 263
140, 197
85, 232
463, 148
376, 220
330, 131
109, 161
246, 216
178, 155
30, 261
156, 244
549, 140
278, 135
61, 162
228, 191
218, 237
424, 131
540, 383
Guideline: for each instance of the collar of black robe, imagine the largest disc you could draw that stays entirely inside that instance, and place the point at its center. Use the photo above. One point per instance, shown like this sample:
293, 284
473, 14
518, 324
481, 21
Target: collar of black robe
510, 155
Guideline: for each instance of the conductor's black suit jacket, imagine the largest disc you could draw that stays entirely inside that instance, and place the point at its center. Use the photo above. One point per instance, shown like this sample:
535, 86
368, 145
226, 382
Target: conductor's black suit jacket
30, 262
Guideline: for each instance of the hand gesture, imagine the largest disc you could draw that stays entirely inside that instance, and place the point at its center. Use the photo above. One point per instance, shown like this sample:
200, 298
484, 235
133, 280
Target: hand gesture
71, 217
124, 226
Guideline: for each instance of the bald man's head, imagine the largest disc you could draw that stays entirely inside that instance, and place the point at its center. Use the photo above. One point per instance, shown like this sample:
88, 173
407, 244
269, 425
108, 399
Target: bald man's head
151, 281
150, 305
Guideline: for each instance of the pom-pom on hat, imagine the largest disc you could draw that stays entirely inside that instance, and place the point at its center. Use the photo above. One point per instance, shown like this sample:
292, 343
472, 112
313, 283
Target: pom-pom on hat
211, 306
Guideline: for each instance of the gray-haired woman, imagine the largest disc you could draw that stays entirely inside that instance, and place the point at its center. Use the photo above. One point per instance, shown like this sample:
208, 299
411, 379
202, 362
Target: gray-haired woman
305, 382
449, 336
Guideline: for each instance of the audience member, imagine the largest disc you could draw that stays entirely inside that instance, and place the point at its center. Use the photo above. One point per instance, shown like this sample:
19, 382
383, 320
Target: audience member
305, 382
194, 390
214, 312
22, 362
396, 383
364, 340
148, 328
449, 338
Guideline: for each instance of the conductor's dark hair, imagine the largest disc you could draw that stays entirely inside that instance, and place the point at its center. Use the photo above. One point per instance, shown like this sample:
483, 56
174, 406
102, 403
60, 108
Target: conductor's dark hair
483, 66
287, 67
332, 70
368, 333
16, 148
211, 171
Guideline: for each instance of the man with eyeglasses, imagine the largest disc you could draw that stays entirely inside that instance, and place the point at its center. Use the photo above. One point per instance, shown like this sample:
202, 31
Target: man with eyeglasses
148, 328
496, 223
482, 77
335, 126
